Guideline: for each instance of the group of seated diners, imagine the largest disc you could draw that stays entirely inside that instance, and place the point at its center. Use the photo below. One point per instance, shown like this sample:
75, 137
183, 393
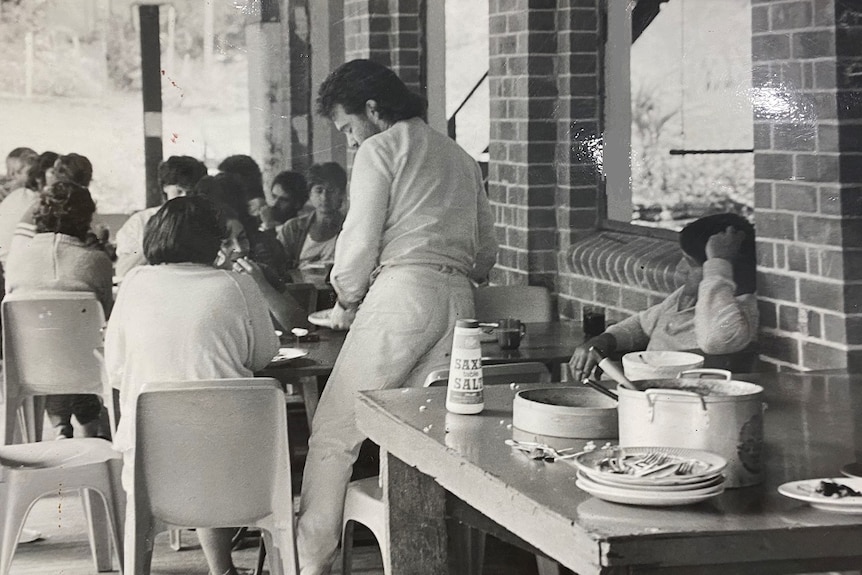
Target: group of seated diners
204, 278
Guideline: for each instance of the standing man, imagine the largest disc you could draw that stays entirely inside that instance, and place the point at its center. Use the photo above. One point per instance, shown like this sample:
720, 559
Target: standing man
419, 229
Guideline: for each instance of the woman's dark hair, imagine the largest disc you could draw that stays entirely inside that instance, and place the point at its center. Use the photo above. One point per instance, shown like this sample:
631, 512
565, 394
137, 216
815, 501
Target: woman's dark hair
36, 173
74, 168
187, 229
65, 208
181, 171
249, 174
693, 238
225, 190
353, 83
327, 173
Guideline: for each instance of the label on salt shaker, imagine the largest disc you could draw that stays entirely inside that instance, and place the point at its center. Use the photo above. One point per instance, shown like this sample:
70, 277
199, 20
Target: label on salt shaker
465, 392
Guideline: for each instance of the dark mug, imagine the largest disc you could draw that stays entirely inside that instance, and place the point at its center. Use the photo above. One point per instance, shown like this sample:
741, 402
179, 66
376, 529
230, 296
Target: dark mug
509, 333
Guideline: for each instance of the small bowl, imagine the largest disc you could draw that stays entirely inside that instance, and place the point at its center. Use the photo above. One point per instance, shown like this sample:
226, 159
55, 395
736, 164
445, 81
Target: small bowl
570, 412
659, 364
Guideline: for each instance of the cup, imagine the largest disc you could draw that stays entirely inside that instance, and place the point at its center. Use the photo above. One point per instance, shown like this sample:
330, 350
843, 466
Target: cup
593, 321
509, 333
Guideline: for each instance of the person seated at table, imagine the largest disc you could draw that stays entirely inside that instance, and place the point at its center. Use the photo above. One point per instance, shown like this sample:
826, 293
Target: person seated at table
715, 310
248, 172
18, 164
289, 193
309, 240
247, 249
159, 333
177, 176
57, 258
15, 205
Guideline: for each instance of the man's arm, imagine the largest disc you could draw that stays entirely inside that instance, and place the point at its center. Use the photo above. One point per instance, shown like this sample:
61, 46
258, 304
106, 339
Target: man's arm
357, 251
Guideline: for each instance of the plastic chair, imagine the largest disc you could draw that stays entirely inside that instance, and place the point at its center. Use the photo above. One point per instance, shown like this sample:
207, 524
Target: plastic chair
30, 471
526, 303
211, 454
49, 339
364, 500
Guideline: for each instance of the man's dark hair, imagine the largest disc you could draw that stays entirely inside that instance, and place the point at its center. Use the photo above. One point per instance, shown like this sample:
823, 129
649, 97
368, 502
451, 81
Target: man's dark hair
249, 172
353, 83
293, 183
185, 229
327, 173
65, 208
181, 171
74, 168
36, 173
693, 238
225, 190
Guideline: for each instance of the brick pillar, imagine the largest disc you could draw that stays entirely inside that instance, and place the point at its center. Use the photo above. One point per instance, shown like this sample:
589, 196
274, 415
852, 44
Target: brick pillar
808, 181
390, 32
277, 37
521, 171
579, 143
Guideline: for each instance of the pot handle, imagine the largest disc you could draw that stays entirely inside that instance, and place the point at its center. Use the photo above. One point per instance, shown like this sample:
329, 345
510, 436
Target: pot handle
722, 374
652, 392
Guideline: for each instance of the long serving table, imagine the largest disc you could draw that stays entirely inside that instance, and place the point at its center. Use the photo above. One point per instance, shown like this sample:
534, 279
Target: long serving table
811, 431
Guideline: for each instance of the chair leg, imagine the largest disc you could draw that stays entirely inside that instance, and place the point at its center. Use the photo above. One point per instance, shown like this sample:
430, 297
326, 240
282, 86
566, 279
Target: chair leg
139, 540
281, 551
261, 556
13, 516
176, 539
347, 548
98, 528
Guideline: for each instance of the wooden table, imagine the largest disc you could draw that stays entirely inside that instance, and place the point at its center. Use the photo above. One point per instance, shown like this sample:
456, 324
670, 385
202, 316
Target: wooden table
810, 431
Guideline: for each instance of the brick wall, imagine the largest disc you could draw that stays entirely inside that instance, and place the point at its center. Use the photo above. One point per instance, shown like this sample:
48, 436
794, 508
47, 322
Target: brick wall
521, 171
389, 32
808, 181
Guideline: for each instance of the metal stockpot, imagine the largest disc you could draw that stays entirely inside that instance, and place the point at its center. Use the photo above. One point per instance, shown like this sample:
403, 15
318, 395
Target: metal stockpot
701, 409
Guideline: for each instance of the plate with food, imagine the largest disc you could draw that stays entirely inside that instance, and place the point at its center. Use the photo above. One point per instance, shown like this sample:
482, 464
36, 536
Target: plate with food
286, 354
836, 494
650, 465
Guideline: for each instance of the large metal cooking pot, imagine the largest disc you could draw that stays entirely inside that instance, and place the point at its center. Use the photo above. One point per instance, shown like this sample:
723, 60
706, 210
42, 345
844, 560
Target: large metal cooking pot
701, 409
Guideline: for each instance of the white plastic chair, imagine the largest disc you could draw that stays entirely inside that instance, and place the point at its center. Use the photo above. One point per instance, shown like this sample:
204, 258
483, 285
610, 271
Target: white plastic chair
49, 339
211, 454
364, 502
526, 303
30, 471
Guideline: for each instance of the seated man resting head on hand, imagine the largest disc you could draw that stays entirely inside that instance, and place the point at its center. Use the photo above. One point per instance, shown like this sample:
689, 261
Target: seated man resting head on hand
715, 310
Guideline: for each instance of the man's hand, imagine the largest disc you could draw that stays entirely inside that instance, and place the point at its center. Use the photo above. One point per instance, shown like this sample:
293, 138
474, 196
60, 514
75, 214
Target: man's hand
725, 244
583, 362
341, 318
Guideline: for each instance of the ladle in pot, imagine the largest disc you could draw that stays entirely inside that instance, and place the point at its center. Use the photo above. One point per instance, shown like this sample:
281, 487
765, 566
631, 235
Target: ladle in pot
612, 369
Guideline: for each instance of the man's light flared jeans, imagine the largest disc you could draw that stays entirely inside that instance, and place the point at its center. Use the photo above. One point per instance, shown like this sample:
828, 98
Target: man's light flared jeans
402, 331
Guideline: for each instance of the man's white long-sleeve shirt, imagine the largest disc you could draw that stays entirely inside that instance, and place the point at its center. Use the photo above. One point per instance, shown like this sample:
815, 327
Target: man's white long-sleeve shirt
416, 197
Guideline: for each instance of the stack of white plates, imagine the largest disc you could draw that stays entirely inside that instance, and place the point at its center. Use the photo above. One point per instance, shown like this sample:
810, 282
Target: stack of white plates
656, 476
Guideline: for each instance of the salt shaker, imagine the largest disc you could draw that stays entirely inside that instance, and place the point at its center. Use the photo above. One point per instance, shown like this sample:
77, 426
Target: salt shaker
465, 393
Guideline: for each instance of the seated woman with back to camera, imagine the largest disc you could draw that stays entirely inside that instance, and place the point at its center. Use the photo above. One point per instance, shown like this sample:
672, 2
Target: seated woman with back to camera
159, 333
714, 311
59, 258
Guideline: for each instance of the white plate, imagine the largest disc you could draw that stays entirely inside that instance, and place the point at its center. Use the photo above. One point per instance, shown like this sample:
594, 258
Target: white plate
321, 318
288, 353
710, 465
804, 490
703, 484
651, 498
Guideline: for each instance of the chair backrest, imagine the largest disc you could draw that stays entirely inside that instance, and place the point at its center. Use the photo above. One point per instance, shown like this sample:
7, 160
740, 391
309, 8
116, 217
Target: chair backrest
48, 343
212, 453
526, 303
524, 372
